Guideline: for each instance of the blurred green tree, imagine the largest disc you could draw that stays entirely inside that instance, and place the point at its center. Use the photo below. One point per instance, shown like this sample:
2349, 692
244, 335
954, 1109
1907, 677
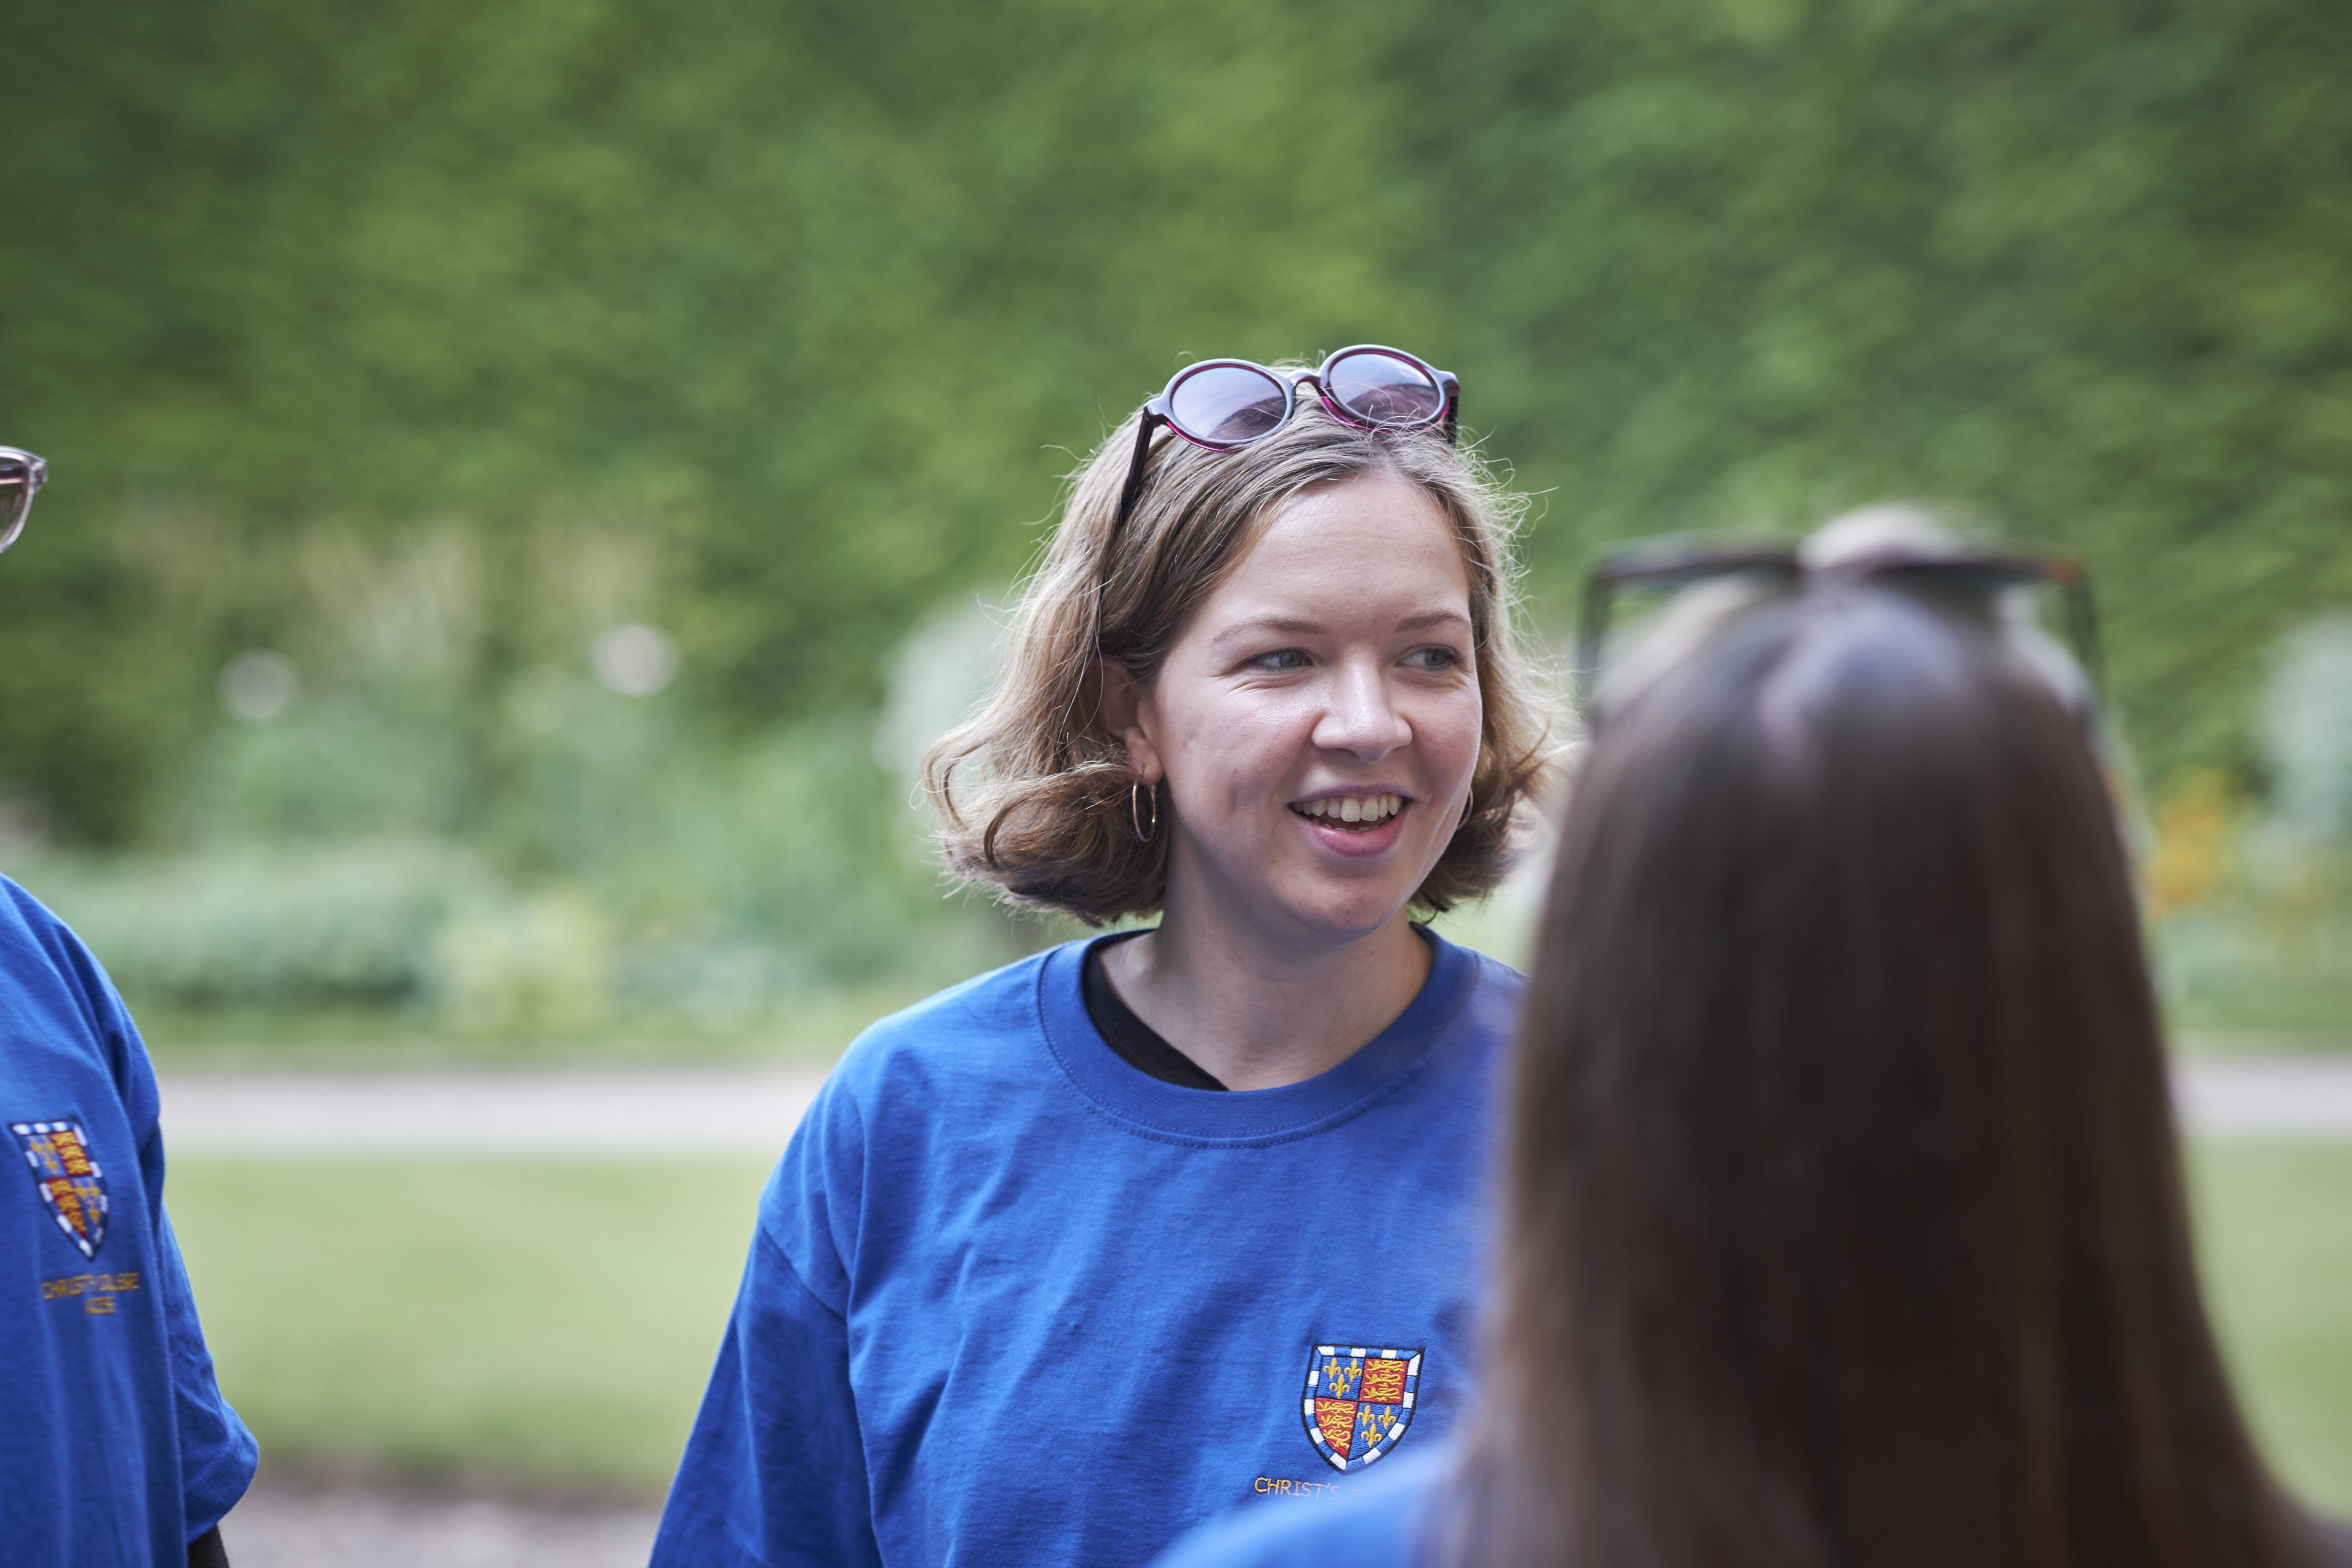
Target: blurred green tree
818, 299
2076, 267
811, 292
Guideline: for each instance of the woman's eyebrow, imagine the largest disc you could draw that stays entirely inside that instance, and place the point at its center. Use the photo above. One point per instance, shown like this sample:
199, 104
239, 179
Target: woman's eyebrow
1432, 618
1295, 625
1287, 625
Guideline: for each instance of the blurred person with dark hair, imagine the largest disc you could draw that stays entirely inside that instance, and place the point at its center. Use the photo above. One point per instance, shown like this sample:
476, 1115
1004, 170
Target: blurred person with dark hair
1843, 1220
116, 1447
1077, 1254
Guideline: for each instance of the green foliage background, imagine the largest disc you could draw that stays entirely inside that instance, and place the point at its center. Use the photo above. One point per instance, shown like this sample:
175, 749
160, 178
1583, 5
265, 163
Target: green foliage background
777, 323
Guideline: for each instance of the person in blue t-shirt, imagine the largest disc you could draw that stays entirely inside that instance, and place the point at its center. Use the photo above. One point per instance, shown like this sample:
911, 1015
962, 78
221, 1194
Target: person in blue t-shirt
116, 1447
1085, 1250
1842, 1216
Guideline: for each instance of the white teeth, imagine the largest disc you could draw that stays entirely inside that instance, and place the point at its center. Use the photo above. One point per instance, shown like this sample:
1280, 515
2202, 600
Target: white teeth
1356, 808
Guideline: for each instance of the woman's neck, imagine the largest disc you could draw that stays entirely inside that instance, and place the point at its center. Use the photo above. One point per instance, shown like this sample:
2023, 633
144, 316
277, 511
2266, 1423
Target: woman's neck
1258, 1014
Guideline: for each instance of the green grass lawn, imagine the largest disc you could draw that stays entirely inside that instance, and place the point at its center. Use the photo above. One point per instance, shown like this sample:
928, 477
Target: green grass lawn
2274, 1235
548, 1322
552, 1322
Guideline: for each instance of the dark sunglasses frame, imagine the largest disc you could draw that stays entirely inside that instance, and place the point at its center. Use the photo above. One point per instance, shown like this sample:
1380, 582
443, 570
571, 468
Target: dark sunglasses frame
1676, 563
1160, 410
22, 475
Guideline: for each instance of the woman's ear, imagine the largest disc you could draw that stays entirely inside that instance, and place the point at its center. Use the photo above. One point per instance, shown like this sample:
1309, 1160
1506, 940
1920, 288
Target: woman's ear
1126, 713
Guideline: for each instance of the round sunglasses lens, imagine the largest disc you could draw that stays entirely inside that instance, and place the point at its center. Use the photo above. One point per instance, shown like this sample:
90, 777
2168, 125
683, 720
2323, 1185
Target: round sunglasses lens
1228, 405
18, 481
1382, 389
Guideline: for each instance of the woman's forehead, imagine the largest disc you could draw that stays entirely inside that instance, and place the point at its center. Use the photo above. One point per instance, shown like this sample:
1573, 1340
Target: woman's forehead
1378, 548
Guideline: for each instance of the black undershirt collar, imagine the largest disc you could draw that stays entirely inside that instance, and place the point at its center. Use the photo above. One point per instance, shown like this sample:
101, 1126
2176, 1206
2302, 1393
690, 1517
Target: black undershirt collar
1137, 1043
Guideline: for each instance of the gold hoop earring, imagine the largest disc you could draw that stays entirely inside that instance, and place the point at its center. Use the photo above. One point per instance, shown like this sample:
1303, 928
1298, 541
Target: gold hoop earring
1135, 811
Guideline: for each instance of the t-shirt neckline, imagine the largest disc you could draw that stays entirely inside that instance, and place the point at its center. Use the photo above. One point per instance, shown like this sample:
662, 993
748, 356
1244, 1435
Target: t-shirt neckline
1147, 1106
1136, 1041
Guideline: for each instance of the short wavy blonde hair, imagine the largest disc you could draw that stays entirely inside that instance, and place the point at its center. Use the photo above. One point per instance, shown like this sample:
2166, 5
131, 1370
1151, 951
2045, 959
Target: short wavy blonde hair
1034, 792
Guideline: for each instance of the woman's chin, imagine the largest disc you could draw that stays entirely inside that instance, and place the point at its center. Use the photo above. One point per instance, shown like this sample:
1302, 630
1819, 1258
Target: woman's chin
1346, 909
1292, 892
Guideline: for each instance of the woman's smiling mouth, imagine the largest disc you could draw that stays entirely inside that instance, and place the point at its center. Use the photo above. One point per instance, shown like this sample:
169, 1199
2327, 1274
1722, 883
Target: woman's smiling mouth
1351, 813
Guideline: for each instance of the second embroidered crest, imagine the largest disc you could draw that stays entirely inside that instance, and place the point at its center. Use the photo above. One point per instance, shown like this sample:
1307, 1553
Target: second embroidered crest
1358, 1400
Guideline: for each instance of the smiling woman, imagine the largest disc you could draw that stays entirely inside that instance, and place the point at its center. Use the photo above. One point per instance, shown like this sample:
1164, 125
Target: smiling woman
1315, 727
1048, 819
1076, 1255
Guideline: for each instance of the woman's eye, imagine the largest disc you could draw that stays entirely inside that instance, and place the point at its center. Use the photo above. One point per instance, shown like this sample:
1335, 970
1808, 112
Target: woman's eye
1432, 659
1282, 658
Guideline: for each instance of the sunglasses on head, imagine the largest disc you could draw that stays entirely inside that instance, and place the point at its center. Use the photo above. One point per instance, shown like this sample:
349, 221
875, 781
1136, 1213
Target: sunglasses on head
1223, 404
22, 475
1672, 566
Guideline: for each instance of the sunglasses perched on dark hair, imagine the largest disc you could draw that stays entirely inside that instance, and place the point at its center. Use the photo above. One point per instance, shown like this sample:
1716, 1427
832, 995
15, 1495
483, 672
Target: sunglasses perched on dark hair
22, 475
1649, 573
1225, 404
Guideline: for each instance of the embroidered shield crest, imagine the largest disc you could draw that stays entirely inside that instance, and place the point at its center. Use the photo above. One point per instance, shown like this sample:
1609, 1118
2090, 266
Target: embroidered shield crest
1358, 1402
70, 1180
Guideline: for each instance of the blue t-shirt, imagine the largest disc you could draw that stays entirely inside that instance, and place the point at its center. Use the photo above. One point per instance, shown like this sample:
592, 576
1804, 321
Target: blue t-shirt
1383, 1521
1013, 1302
116, 1447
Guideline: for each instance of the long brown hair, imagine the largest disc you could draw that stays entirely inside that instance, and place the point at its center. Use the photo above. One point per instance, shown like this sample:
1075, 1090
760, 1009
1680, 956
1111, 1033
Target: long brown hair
1845, 1219
1034, 793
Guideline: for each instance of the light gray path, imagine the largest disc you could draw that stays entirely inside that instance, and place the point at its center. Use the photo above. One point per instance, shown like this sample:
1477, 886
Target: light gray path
357, 1526
674, 1112
669, 1112
2266, 1097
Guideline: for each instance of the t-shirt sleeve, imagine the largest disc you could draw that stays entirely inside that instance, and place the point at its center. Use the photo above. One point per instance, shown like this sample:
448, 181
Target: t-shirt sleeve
774, 1473
217, 1455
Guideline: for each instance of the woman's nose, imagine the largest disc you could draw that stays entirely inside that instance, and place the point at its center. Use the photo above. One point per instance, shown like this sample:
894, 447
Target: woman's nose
1361, 717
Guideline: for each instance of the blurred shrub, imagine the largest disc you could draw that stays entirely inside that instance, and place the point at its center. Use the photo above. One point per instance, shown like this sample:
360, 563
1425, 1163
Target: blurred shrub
2253, 905
2196, 821
357, 765
544, 963
2305, 723
266, 924
2257, 963
615, 863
